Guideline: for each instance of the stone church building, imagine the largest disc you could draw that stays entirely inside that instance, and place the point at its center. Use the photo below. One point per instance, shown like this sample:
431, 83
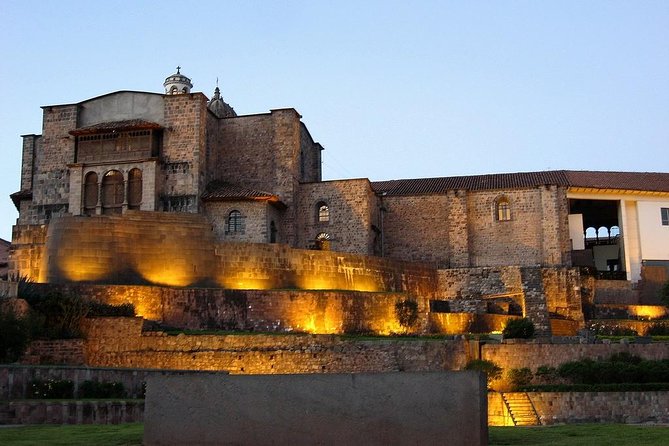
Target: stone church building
256, 180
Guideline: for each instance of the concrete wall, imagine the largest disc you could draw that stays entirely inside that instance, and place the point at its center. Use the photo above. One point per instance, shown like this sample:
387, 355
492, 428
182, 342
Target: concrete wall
121, 106
654, 236
362, 409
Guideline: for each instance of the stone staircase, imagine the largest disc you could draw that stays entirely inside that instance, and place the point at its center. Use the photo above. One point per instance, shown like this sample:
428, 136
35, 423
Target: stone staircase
521, 409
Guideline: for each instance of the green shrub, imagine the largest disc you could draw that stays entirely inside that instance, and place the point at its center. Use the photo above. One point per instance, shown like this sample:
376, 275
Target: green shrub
96, 309
62, 315
664, 293
51, 389
520, 377
492, 370
407, 313
615, 387
96, 389
620, 368
658, 329
15, 336
518, 328
27, 289
602, 329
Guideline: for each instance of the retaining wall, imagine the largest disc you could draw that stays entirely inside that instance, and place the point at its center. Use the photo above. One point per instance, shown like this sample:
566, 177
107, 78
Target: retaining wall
588, 407
120, 342
71, 412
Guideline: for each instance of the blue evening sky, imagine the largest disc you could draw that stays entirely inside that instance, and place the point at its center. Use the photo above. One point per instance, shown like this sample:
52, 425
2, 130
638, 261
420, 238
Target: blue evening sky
391, 89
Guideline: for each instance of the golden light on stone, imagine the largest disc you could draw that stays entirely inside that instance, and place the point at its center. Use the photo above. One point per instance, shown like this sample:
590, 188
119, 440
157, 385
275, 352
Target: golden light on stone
77, 269
649, 312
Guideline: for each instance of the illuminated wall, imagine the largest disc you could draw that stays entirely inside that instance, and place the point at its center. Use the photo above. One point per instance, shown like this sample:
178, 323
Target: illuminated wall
179, 250
120, 342
318, 312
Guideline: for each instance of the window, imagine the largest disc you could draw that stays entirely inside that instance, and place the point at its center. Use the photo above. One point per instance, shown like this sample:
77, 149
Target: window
90, 193
503, 209
112, 192
323, 212
323, 241
235, 222
134, 189
272, 232
665, 216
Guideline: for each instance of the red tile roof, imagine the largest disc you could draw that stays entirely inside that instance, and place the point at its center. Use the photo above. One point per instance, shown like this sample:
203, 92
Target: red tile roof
222, 191
130, 124
642, 181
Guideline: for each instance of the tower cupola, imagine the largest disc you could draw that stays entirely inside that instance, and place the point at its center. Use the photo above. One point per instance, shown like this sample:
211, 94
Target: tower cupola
177, 83
219, 107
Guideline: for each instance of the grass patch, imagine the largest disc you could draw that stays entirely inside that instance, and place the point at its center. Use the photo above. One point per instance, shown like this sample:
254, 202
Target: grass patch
632, 339
580, 435
569, 435
83, 435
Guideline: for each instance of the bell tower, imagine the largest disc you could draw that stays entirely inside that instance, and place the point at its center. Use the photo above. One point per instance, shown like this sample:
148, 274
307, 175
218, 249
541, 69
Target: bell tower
177, 83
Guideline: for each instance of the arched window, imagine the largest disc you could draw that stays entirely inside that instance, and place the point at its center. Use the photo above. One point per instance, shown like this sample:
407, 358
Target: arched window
235, 222
323, 212
90, 193
323, 241
615, 231
112, 192
503, 209
134, 189
603, 233
591, 233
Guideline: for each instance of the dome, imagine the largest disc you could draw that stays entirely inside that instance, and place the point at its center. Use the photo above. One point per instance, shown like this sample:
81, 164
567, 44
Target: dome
219, 107
177, 83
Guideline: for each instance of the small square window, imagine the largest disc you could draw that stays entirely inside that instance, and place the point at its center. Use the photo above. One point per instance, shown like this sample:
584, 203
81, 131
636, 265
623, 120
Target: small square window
665, 216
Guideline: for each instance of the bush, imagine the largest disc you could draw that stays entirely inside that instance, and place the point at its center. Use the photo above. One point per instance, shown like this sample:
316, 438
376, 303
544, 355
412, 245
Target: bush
664, 293
617, 387
658, 329
602, 329
51, 389
62, 315
96, 389
518, 328
620, 368
492, 370
407, 313
15, 336
96, 309
520, 377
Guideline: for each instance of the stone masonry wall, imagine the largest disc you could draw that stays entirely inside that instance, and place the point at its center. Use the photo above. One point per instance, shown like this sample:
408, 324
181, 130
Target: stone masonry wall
70, 412
352, 205
255, 224
514, 242
257, 310
50, 176
416, 228
179, 250
518, 355
118, 343
15, 379
184, 144
26, 252
587, 407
